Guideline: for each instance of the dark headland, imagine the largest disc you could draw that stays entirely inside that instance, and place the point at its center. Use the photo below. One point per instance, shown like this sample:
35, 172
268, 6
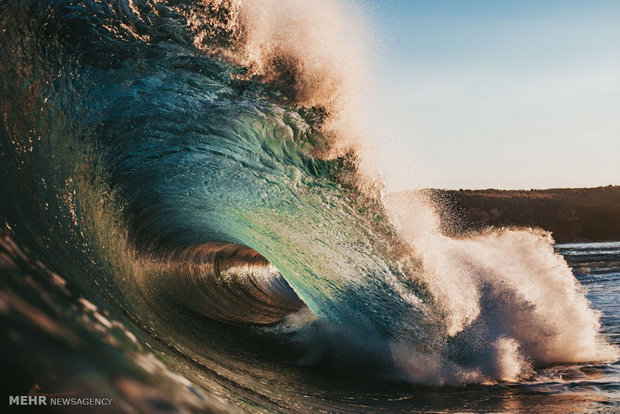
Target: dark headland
571, 214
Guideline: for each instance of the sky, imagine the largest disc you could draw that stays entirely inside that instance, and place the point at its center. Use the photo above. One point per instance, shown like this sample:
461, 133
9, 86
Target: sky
496, 94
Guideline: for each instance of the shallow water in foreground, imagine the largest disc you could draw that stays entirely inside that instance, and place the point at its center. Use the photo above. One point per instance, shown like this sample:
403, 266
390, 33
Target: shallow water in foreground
63, 344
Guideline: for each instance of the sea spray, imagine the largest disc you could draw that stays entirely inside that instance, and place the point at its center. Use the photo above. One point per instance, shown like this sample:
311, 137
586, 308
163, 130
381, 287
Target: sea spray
509, 300
194, 171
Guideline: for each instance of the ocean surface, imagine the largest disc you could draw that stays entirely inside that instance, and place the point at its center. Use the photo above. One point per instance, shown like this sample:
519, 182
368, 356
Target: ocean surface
189, 223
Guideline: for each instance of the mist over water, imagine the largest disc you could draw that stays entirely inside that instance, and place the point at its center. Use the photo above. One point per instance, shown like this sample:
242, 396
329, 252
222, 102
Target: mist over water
192, 217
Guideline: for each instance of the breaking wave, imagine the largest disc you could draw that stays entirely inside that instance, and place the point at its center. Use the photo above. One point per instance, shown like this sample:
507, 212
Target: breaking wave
195, 176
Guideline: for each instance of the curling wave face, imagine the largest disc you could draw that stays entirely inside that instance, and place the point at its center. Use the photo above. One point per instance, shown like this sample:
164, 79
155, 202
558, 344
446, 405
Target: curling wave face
186, 172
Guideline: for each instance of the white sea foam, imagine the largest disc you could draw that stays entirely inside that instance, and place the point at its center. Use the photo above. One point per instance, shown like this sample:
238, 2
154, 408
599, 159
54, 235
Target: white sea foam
505, 292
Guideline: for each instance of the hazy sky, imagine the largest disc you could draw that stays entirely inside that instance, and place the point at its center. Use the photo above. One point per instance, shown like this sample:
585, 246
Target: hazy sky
501, 94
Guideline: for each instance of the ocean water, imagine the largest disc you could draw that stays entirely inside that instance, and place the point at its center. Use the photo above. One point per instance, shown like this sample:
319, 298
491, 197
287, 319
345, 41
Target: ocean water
190, 222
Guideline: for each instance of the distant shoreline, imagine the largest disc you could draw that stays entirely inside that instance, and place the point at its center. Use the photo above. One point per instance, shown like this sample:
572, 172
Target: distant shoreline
571, 214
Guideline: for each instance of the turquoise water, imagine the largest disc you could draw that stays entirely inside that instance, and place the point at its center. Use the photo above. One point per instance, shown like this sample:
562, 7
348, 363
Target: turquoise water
180, 232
